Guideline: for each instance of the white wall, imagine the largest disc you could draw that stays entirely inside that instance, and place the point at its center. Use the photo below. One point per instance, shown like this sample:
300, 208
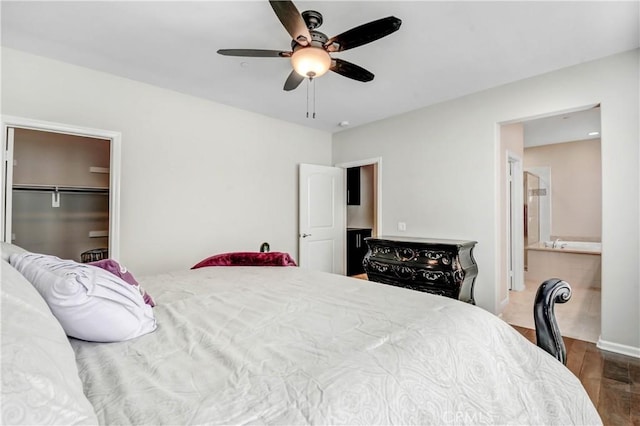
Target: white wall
441, 174
198, 178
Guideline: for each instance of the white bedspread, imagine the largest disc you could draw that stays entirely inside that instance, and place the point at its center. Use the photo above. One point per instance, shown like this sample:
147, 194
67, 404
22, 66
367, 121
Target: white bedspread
273, 345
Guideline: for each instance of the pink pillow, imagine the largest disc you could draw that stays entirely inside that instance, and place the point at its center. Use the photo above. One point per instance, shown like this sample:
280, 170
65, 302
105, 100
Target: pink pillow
118, 270
248, 259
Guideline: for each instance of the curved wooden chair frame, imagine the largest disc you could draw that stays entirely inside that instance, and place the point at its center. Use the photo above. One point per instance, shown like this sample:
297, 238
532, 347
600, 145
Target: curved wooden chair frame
547, 332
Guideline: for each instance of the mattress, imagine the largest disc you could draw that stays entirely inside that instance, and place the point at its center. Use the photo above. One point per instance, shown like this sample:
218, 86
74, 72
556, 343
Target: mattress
285, 345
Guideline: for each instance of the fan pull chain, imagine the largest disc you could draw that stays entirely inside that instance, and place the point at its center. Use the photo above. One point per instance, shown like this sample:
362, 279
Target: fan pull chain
308, 98
314, 98
311, 82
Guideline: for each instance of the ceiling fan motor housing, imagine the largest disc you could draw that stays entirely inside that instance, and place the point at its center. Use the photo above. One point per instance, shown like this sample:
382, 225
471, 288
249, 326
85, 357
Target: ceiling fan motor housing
312, 18
318, 39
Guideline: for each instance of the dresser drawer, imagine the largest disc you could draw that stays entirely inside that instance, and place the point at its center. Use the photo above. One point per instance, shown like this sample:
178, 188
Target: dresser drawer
433, 257
424, 286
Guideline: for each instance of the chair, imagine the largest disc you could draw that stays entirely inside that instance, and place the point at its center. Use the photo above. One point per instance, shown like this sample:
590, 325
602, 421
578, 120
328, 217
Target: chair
548, 335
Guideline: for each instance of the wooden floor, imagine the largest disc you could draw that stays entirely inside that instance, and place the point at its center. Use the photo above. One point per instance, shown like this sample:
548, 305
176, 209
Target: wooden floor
611, 380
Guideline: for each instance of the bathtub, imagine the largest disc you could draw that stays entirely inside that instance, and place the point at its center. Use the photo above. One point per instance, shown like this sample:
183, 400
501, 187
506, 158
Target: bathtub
577, 262
570, 246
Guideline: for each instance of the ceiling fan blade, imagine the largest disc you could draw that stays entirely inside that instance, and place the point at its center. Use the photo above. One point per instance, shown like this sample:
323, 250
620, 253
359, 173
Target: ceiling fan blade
289, 16
293, 81
256, 53
349, 70
365, 33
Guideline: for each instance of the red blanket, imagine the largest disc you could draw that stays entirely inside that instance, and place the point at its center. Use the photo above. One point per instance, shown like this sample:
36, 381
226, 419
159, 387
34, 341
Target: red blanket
247, 259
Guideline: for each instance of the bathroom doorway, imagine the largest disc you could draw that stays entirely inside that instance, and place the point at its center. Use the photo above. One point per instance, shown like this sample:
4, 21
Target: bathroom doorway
562, 209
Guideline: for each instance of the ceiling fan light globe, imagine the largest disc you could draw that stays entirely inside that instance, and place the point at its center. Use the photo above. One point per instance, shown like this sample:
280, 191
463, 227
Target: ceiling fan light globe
311, 61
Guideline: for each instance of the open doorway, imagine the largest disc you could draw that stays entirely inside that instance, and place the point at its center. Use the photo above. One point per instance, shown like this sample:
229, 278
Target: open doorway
363, 211
562, 218
60, 189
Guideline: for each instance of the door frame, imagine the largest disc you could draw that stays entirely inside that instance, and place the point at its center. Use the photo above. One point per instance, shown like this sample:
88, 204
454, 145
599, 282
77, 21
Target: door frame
377, 163
8, 121
515, 224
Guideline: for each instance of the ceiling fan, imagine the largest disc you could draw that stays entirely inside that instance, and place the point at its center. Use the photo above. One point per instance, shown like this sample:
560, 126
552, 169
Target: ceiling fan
310, 48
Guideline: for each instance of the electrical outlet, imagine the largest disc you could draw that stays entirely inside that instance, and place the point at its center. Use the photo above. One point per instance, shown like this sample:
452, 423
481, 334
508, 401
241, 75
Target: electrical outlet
402, 226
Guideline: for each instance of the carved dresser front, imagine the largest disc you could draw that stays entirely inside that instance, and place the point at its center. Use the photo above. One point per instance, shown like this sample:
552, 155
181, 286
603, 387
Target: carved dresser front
444, 267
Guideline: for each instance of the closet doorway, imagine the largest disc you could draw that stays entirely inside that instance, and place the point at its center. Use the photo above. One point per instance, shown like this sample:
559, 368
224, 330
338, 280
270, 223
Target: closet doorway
363, 210
60, 190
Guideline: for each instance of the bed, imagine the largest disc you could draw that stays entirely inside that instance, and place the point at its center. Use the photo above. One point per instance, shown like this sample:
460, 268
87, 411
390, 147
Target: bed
284, 345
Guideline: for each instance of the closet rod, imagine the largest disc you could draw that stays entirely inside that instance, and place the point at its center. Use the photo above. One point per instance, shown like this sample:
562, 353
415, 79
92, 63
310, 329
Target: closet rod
57, 188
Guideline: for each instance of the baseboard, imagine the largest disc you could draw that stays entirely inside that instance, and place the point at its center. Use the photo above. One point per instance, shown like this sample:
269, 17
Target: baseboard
618, 348
502, 305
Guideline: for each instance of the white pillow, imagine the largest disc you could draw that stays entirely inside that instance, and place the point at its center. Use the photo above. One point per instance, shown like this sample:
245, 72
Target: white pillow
7, 249
40, 382
89, 302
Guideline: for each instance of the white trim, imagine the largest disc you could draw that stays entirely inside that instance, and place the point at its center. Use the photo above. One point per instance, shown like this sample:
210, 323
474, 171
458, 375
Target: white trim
618, 348
503, 305
114, 178
377, 161
497, 233
516, 248
7, 174
550, 114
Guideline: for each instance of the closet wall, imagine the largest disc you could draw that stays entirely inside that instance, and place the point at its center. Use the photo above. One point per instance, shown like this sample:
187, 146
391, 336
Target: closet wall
362, 215
60, 193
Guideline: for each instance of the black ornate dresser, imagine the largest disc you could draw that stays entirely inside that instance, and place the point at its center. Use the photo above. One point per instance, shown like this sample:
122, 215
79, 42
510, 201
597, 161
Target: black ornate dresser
444, 267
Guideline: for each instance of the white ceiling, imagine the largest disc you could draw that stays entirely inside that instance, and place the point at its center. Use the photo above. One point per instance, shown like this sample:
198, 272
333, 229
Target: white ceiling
568, 127
442, 51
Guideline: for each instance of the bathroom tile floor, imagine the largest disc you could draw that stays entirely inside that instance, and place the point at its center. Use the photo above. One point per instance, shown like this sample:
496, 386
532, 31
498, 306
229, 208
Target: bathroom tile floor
578, 318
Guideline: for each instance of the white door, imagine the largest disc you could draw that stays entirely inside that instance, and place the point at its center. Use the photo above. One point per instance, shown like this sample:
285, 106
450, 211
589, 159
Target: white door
322, 218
